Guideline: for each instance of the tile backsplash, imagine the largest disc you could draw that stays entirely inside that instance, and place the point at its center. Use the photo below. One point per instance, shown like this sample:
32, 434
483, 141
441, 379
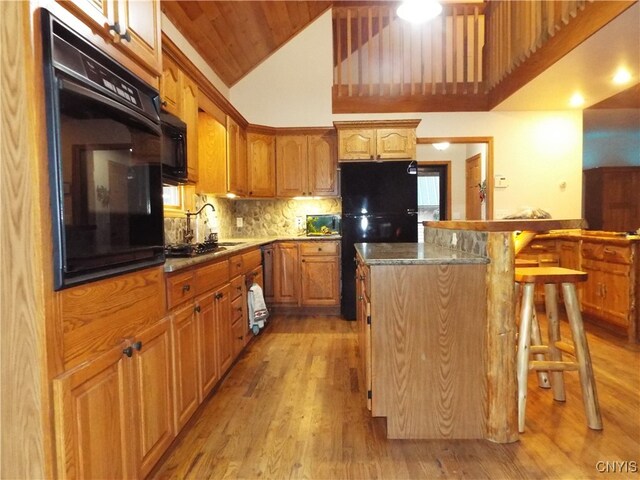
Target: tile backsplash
260, 218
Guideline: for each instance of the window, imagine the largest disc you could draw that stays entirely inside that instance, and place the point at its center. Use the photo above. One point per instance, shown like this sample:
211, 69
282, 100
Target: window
177, 199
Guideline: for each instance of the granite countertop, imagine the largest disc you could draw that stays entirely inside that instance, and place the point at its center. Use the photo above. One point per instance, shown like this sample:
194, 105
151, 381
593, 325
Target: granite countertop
414, 254
533, 225
175, 264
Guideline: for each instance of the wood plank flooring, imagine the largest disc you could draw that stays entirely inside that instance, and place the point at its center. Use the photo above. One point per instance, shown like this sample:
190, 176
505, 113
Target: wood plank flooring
293, 407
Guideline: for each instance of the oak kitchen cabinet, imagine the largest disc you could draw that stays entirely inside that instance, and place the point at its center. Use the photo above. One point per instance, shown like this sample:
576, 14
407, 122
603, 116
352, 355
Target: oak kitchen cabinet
212, 155
114, 402
179, 95
261, 165
377, 140
132, 26
307, 165
303, 274
611, 200
236, 158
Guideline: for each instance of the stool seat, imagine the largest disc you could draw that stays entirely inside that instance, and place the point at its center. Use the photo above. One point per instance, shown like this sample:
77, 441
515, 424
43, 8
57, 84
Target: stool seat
549, 275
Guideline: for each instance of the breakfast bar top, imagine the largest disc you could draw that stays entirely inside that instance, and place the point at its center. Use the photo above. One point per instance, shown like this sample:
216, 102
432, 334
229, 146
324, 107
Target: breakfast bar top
414, 254
538, 225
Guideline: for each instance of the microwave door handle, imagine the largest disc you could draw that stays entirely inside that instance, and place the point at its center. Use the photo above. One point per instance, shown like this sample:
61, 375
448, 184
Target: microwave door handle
181, 153
69, 86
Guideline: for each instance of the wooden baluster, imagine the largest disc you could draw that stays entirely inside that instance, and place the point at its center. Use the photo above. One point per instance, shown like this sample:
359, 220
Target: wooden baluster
423, 59
476, 49
465, 51
391, 51
573, 8
349, 85
565, 11
434, 41
339, 53
359, 43
411, 82
509, 39
380, 53
444, 54
454, 51
401, 57
370, 48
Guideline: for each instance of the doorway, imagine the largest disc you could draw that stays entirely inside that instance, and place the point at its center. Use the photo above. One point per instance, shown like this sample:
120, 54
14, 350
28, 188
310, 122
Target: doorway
473, 188
434, 193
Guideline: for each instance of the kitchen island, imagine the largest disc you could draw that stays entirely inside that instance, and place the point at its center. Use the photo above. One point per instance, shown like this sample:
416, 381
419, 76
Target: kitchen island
421, 315
495, 240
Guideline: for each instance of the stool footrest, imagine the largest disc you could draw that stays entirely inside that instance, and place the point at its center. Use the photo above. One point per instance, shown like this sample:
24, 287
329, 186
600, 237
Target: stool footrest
566, 348
553, 366
534, 349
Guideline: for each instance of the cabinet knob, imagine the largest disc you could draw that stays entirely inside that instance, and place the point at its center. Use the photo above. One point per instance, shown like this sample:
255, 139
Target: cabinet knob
115, 28
126, 36
164, 103
185, 288
250, 193
370, 157
128, 352
219, 295
137, 346
319, 249
303, 260
241, 337
197, 309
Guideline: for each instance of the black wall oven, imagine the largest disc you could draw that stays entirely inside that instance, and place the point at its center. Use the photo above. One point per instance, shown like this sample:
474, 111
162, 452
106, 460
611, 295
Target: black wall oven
104, 141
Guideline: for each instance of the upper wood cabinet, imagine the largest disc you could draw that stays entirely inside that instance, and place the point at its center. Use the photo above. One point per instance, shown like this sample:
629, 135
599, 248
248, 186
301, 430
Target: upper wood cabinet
236, 158
133, 26
261, 164
170, 93
212, 155
189, 115
377, 140
306, 165
611, 200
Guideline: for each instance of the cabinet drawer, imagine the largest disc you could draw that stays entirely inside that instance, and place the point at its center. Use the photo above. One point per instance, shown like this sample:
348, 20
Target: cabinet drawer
319, 248
608, 253
211, 276
244, 262
236, 286
540, 246
180, 288
237, 309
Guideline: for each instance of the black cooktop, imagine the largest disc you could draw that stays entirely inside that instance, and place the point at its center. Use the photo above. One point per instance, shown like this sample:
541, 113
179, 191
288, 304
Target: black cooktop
192, 249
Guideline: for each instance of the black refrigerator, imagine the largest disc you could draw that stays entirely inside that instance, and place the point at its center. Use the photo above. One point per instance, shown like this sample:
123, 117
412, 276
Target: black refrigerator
379, 204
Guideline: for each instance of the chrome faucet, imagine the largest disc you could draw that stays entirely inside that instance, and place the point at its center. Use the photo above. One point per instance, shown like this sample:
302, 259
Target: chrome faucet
188, 233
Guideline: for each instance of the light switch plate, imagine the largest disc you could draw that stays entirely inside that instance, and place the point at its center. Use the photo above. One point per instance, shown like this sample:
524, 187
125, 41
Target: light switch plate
239, 222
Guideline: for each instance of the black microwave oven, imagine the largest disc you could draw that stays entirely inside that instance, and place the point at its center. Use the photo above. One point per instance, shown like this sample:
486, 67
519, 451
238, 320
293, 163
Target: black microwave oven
174, 149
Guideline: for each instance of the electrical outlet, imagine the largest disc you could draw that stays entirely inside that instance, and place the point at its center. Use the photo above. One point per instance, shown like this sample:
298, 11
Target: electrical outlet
239, 222
299, 223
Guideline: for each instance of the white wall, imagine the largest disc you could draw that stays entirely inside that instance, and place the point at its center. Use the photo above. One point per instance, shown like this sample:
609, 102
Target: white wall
182, 43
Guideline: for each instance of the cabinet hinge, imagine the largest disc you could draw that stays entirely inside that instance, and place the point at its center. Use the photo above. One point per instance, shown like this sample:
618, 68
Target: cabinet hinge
368, 319
369, 395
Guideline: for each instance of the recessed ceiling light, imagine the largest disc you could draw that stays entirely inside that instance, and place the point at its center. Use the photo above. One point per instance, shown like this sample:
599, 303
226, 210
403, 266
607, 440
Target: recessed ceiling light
419, 11
441, 145
577, 100
622, 76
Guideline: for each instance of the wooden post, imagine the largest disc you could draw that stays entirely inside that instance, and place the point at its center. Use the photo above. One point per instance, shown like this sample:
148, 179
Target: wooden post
501, 407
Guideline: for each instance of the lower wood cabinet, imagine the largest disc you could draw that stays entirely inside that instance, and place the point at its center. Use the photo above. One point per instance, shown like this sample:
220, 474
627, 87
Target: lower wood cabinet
114, 414
184, 333
302, 274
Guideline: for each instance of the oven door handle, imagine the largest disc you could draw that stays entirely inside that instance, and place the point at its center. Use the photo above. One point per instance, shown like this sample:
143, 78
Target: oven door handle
64, 84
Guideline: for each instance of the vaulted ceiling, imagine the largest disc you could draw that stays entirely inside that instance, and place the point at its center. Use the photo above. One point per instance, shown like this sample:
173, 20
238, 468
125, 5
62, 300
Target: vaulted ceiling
236, 36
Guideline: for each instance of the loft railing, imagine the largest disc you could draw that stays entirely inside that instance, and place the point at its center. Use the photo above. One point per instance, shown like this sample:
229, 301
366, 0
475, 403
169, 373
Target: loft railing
432, 67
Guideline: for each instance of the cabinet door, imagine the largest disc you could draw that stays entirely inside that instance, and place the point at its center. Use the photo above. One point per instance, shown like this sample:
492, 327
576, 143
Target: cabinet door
208, 344
286, 273
237, 166
569, 252
356, 144
322, 165
398, 143
268, 257
212, 155
189, 115
292, 166
620, 200
95, 433
591, 290
224, 331
153, 393
170, 86
97, 14
141, 20
184, 332
616, 298
261, 165
320, 280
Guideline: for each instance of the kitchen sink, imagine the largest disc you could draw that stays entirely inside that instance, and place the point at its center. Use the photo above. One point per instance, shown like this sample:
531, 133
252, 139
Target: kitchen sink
230, 244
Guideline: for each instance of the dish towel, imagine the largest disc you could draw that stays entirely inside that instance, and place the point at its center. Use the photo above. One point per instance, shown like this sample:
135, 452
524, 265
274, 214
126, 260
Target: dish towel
258, 312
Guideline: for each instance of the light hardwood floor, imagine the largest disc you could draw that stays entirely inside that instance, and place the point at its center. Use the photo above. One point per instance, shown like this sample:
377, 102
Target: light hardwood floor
293, 407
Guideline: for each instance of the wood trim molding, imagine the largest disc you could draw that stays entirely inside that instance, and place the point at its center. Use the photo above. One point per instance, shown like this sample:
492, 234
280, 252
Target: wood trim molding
490, 175
411, 123
171, 49
261, 129
595, 16
305, 131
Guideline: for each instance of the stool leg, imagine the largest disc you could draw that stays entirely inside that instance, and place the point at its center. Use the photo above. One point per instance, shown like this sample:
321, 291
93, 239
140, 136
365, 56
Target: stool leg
536, 339
551, 306
523, 351
585, 369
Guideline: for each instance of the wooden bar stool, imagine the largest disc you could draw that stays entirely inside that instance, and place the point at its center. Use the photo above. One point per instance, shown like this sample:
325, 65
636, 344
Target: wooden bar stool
528, 277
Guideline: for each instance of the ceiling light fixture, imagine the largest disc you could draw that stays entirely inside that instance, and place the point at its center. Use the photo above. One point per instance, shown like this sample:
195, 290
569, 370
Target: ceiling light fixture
419, 11
577, 100
622, 76
441, 145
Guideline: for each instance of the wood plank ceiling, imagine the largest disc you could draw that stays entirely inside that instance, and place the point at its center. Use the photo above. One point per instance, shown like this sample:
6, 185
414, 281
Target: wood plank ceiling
235, 36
